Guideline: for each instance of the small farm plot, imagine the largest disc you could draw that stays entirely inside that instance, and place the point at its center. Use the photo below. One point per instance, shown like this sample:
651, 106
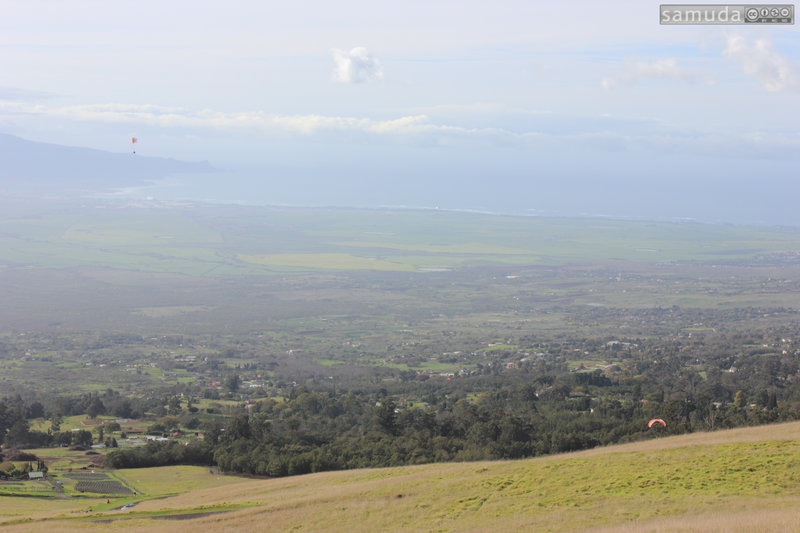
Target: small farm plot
25, 488
97, 483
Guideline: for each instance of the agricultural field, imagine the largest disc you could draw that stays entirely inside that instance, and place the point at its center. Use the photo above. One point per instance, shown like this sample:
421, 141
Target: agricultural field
223, 241
96, 483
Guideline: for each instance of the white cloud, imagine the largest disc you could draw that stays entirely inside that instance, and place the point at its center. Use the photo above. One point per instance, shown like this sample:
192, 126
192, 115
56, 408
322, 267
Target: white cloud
356, 66
661, 69
587, 133
760, 59
171, 117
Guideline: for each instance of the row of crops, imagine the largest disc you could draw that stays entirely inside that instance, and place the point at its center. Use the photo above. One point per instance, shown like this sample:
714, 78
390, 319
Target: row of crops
98, 483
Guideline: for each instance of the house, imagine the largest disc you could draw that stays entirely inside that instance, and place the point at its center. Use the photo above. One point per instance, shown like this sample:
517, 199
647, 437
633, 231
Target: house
35, 475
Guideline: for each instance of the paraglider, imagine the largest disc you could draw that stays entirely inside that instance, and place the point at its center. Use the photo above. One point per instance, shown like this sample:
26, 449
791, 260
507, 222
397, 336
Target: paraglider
134, 140
656, 421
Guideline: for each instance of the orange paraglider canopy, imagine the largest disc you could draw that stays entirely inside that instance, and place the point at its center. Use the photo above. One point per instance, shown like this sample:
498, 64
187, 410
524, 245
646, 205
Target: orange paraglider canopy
656, 421
134, 140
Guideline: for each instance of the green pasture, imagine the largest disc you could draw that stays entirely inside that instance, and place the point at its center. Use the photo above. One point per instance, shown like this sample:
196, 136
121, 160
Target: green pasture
329, 362
26, 489
430, 366
70, 423
499, 348
330, 261
219, 406
219, 241
458, 249
60, 460
15, 509
164, 481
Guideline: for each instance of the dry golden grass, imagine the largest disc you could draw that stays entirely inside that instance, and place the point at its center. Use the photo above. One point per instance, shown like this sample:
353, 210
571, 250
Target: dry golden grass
740, 480
152, 482
788, 431
777, 515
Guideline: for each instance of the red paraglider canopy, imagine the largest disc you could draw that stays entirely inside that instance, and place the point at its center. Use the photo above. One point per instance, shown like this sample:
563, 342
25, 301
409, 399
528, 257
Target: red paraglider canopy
656, 420
134, 140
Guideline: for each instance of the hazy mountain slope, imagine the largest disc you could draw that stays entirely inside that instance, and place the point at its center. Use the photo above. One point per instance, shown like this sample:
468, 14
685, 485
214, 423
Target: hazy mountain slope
739, 480
49, 169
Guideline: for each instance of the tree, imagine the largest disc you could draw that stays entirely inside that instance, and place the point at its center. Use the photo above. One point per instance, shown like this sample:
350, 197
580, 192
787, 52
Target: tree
238, 428
762, 398
95, 408
174, 405
82, 438
772, 402
232, 382
18, 434
35, 410
122, 409
387, 418
212, 432
739, 400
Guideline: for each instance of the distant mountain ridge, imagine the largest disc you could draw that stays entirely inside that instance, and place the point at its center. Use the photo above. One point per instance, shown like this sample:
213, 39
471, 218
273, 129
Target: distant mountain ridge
55, 169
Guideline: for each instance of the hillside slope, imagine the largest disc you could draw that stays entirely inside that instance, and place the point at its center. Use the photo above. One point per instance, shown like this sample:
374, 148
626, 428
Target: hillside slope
738, 480
50, 170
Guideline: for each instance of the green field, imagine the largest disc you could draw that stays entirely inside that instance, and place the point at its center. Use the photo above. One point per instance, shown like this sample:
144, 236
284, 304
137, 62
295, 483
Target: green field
242, 241
324, 262
168, 481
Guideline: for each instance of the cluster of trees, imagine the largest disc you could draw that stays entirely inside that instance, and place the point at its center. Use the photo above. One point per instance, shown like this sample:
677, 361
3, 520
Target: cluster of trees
16, 413
10, 471
505, 409
19, 435
513, 417
161, 454
315, 431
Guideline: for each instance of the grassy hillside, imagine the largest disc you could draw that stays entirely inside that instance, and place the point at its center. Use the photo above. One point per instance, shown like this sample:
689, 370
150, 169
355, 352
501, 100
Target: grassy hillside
739, 480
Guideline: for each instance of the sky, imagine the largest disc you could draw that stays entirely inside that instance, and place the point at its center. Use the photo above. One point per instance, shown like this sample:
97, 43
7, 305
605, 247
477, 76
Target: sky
580, 108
